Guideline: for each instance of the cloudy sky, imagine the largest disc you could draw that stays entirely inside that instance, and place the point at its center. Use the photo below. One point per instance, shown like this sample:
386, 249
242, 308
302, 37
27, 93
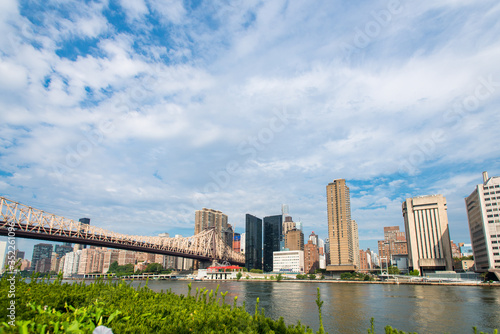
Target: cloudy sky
136, 113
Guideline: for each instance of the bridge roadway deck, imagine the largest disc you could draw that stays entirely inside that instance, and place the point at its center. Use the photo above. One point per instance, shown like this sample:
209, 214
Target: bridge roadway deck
57, 236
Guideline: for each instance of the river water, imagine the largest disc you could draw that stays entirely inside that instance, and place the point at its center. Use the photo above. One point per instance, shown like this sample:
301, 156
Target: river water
347, 308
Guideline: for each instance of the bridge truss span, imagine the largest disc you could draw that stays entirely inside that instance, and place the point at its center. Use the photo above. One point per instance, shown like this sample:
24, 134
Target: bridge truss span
28, 222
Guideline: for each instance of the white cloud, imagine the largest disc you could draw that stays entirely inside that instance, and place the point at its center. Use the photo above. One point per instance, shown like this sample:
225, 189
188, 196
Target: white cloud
162, 112
170, 11
135, 9
12, 76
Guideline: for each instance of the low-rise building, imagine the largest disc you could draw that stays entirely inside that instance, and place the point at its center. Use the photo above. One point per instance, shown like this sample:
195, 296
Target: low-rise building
288, 261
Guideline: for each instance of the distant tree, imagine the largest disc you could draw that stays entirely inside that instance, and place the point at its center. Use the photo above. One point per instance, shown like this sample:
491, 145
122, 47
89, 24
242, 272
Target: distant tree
346, 276
312, 276
300, 276
127, 269
239, 275
257, 271
415, 272
154, 268
393, 270
113, 267
279, 277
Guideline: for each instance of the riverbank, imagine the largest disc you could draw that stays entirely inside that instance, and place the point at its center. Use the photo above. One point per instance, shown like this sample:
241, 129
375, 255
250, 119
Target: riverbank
494, 285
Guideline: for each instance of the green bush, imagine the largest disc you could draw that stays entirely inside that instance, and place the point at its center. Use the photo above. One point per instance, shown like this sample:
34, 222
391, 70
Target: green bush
78, 308
346, 276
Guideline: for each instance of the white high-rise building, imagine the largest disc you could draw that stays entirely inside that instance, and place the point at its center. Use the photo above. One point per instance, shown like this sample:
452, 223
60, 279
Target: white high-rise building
483, 213
427, 233
242, 243
71, 263
3, 253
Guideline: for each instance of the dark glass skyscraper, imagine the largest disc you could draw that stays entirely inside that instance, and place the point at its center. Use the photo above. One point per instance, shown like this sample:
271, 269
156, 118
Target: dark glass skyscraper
273, 226
253, 242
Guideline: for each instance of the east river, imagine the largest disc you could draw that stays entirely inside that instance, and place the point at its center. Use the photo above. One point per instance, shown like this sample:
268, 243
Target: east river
347, 308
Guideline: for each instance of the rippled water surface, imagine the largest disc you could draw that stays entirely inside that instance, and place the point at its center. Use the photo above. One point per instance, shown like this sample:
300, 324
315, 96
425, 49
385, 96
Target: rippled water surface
347, 308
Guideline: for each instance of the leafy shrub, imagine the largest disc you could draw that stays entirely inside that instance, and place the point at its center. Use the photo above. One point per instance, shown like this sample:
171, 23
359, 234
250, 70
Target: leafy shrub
415, 272
78, 308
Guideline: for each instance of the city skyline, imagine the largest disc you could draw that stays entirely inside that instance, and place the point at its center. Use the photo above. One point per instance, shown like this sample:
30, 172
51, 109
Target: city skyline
138, 115
27, 244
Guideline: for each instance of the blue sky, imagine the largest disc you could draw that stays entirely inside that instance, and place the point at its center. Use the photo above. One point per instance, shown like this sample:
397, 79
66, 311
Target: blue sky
136, 113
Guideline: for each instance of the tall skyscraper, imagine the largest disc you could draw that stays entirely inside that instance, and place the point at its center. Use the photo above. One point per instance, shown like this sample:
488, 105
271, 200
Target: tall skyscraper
253, 242
272, 237
343, 255
355, 242
209, 218
483, 213
427, 234
41, 252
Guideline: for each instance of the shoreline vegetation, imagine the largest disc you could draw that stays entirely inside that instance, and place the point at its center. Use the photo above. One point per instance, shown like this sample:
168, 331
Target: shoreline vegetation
52, 306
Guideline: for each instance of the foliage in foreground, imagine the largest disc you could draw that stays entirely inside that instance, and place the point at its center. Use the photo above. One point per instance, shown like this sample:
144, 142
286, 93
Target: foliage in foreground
390, 330
43, 307
57, 307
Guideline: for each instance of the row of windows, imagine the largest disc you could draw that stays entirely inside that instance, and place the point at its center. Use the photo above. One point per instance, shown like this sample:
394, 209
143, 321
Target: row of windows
492, 186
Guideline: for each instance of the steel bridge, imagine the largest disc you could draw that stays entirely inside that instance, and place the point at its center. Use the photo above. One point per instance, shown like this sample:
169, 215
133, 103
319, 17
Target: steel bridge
23, 221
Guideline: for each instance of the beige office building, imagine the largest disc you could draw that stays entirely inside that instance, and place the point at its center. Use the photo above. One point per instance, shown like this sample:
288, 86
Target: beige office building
294, 240
343, 251
355, 242
483, 213
207, 218
427, 234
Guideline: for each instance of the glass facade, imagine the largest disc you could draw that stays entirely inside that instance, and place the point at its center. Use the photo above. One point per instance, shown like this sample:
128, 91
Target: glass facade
273, 226
253, 242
